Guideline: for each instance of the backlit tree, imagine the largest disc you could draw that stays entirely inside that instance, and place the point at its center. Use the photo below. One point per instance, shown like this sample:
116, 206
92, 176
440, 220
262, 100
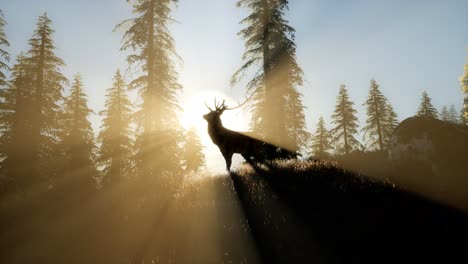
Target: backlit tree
345, 121
426, 108
153, 54
193, 157
270, 57
452, 114
463, 119
115, 137
391, 122
321, 144
47, 86
376, 105
4, 55
444, 114
78, 138
464, 88
15, 123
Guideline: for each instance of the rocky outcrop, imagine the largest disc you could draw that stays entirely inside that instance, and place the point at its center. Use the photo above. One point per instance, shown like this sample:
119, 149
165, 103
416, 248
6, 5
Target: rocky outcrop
432, 156
431, 141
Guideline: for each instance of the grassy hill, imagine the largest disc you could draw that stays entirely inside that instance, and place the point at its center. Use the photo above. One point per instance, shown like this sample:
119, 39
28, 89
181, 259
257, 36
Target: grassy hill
296, 212
335, 216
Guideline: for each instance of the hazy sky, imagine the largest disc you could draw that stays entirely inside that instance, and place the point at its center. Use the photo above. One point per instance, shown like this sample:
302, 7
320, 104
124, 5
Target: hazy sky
407, 46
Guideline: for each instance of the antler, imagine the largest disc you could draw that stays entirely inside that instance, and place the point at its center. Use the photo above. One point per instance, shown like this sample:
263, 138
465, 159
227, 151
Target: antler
223, 105
219, 107
240, 105
209, 108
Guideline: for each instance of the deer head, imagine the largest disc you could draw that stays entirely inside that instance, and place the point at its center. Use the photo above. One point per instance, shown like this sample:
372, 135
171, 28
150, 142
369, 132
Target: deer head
214, 115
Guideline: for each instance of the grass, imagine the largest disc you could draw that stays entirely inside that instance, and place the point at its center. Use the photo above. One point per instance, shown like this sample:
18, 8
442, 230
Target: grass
294, 212
336, 216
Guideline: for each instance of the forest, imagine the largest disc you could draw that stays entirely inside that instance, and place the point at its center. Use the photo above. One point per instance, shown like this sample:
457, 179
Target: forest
138, 190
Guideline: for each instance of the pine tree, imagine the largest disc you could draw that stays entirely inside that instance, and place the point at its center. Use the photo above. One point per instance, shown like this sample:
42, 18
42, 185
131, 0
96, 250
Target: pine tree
464, 88
444, 114
465, 111
4, 55
194, 159
148, 36
463, 119
376, 105
345, 121
391, 122
278, 112
5, 106
295, 122
43, 66
426, 108
321, 140
115, 152
78, 138
452, 114
15, 123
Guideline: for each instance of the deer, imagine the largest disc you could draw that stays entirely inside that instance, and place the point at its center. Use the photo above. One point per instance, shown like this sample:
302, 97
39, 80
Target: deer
230, 142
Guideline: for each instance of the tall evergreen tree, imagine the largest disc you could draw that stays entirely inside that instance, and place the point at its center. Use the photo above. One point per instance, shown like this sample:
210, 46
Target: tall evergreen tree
298, 136
426, 108
444, 114
463, 119
321, 140
4, 55
4, 106
345, 121
115, 153
44, 109
452, 114
464, 88
148, 36
391, 122
78, 137
278, 113
15, 123
376, 105
194, 159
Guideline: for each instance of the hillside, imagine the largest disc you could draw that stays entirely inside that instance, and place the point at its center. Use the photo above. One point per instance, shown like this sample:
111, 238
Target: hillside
295, 213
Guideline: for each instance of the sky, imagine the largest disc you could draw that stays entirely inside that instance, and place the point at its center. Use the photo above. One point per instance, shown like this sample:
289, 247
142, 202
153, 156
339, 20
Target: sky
407, 46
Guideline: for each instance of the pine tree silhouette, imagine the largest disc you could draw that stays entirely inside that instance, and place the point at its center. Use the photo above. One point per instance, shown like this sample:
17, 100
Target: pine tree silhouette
426, 108
376, 105
463, 119
345, 121
464, 88
194, 159
4, 55
452, 114
148, 37
391, 122
278, 111
47, 87
115, 137
78, 139
321, 140
15, 124
444, 114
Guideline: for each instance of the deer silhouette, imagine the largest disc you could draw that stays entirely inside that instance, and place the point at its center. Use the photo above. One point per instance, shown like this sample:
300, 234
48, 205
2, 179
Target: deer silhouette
230, 142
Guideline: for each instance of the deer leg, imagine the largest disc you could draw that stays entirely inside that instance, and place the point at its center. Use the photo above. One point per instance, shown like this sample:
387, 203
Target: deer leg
228, 159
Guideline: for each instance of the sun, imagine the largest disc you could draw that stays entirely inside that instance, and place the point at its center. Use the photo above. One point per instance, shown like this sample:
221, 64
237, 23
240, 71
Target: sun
194, 108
